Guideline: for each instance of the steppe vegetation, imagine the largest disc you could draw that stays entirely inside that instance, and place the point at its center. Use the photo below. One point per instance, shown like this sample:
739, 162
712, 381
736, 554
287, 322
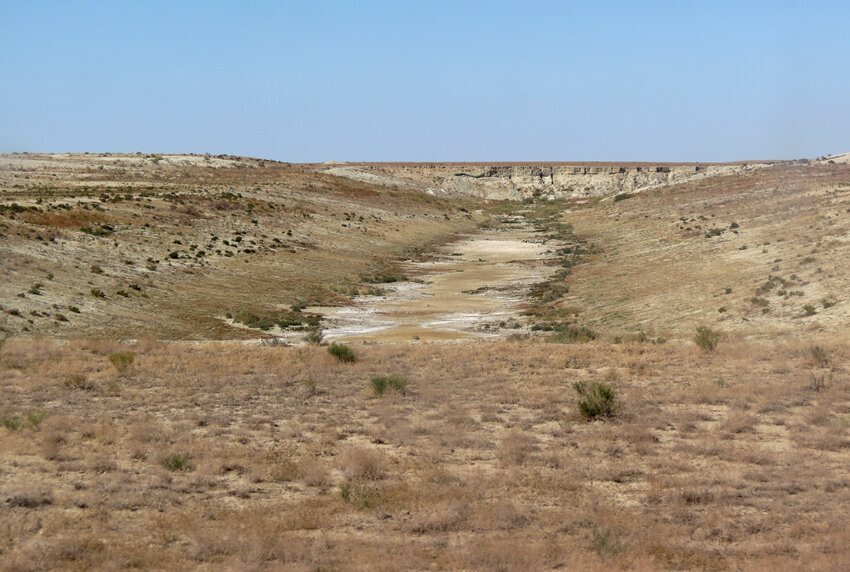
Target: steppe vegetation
674, 395
223, 454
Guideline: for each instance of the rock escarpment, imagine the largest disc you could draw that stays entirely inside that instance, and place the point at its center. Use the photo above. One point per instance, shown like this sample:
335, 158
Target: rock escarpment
523, 180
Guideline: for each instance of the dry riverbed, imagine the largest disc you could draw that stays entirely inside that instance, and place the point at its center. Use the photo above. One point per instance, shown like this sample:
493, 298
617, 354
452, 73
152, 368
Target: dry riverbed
479, 280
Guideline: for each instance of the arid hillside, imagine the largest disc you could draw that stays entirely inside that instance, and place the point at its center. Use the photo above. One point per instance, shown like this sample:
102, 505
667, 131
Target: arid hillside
762, 253
169, 245
653, 380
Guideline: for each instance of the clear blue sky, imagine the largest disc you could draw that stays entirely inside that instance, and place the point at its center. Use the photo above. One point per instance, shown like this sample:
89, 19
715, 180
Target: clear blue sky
397, 80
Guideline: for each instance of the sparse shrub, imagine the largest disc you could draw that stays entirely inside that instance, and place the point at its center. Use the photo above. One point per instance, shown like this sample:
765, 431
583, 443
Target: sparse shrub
809, 310
34, 418
342, 352
122, 360
314, 337
622, 197
572, 335
597, 400
78, 381
818, 382
123, 293
819, 355
706, 338
362, 464
35, 289
177, 462
12, 423
60, 317
102, 230
516, 447
311, 384
827, 303
383, 278
73, 309
606, 543
381, 383
267, 320
97, 293
95, 269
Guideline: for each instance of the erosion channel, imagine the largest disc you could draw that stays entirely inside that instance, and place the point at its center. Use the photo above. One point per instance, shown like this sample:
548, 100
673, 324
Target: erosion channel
475, 284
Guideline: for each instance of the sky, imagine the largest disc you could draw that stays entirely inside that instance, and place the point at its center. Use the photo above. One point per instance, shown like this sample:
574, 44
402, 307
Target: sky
431, 80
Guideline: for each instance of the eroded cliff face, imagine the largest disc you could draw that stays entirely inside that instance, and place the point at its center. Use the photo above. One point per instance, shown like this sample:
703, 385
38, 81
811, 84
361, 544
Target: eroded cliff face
519, 181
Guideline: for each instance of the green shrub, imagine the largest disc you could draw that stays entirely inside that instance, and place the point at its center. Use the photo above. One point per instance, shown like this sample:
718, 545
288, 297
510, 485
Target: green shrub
102, 230
283, 319
314, 337
342, 352
706, 338
572, 335
177, 462
78, 381
597, 400
381, 383
97, 293
122, 360
819, 355
606, 543
622, 197
383, 278
34, 418
11, 423
809, 310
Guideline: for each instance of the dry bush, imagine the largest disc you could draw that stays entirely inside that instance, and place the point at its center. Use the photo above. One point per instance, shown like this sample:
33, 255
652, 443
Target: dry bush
314, 473
446, 518
516, 448
361, 463
737, 422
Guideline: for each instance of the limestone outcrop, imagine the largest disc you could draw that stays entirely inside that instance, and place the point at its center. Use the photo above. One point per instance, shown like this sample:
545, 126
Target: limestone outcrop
523, 180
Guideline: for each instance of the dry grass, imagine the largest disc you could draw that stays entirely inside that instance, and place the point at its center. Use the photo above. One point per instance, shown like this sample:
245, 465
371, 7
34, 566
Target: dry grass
238, 456
498, 472
656, 272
